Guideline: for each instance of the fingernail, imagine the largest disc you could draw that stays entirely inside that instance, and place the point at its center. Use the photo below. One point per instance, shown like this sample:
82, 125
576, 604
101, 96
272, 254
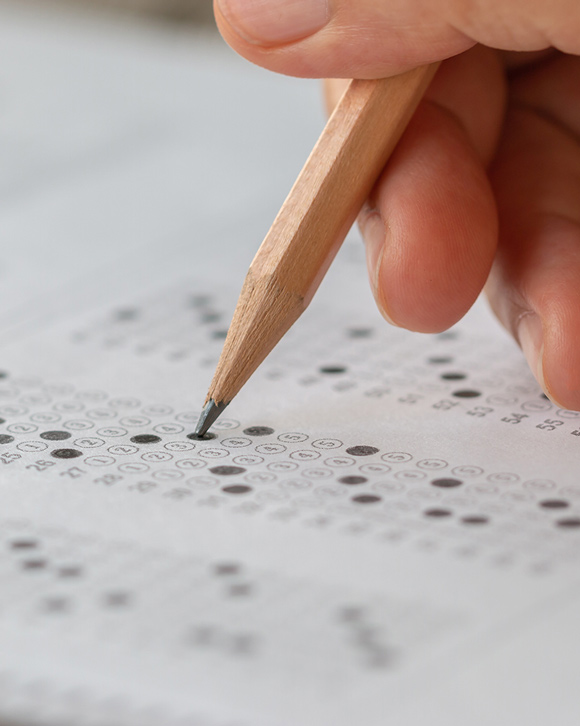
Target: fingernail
276, 21
374, 233
531, 338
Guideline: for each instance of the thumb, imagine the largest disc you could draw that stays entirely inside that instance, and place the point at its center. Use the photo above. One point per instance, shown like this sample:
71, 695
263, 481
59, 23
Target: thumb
377, 38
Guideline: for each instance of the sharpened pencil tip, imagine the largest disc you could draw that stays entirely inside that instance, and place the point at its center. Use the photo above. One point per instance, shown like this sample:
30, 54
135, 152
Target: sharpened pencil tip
209, 415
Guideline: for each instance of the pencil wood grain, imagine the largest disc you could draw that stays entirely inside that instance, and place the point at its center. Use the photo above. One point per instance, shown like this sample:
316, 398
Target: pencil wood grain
314, 220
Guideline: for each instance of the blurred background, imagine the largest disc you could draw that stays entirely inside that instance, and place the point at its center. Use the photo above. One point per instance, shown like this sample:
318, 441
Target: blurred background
193, 12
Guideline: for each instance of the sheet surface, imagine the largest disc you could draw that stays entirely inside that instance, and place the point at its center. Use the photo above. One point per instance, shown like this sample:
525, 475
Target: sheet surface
385, 527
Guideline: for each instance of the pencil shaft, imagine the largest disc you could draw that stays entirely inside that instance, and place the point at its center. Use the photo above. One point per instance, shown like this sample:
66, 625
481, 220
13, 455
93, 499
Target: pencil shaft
314, 220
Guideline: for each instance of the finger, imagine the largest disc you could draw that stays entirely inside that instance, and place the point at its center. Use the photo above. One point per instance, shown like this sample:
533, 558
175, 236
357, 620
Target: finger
377, 38
430, 227
470, 87
514, 60
535, 284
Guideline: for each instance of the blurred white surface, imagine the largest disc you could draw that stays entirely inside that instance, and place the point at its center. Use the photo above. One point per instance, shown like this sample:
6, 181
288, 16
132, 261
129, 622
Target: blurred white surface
114, 135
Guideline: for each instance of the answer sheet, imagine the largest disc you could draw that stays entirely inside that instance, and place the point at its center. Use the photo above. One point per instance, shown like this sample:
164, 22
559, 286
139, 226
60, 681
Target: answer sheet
385, 527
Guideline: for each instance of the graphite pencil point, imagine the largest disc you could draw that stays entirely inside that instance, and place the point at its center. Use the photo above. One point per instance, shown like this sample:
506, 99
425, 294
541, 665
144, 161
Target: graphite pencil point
209, 415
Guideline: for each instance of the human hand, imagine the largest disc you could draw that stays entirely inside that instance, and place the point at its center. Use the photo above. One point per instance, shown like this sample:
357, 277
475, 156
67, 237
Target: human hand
485, 183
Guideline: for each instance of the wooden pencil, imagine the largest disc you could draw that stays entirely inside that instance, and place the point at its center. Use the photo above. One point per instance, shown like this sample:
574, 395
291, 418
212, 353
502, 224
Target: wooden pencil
323, 204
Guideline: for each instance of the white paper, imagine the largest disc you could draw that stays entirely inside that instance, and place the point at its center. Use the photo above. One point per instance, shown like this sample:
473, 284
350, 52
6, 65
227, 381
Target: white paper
386, 527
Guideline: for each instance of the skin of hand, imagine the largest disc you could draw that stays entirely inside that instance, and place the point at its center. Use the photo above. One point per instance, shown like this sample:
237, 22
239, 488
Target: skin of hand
484, 187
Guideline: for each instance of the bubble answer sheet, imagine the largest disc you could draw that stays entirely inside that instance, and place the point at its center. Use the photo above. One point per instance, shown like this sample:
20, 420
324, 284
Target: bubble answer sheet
384, 528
